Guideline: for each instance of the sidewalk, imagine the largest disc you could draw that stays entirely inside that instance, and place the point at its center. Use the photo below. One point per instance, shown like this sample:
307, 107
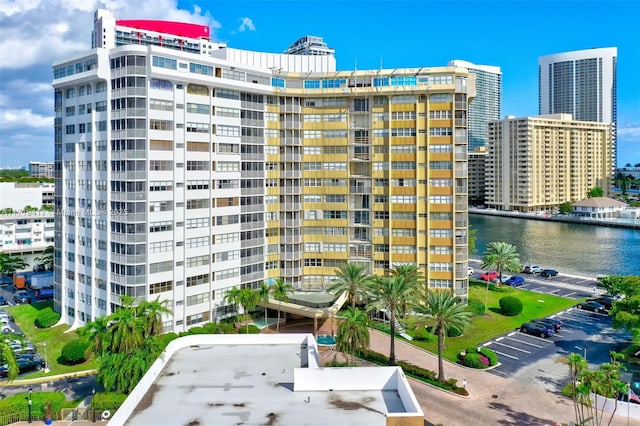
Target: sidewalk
493, 400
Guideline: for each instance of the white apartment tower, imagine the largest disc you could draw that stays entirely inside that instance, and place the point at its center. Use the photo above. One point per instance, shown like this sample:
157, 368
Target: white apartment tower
185, 168
309, 45
582, 83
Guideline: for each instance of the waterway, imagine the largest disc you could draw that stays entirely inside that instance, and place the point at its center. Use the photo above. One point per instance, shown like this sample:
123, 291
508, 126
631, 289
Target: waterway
570, 248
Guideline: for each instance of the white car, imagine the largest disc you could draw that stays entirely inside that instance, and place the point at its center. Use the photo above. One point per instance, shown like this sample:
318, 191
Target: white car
470, 271
504, 278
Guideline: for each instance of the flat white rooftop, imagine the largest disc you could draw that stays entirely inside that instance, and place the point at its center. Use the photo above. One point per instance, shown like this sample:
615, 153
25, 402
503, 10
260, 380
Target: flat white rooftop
259, 382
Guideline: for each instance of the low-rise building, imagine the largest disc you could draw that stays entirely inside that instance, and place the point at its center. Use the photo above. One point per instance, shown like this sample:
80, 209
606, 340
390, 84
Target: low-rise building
39, 169
266, 379
599, 207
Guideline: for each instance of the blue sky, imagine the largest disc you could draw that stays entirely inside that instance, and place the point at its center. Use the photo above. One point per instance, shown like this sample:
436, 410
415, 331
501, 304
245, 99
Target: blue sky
365, 34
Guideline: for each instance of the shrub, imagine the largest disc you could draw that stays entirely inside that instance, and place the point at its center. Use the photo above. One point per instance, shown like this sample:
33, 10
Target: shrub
476, 307
422, 335
510, 306
476, 360
490, 354
47, 318
74, 352
166, 338
454, 332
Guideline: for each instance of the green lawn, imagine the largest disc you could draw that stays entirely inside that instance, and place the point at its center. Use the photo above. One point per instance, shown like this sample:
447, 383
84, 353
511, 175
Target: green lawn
493, 324
55, 337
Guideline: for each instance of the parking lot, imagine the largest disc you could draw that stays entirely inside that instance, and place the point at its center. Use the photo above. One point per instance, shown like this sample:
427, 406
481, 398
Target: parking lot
536, 359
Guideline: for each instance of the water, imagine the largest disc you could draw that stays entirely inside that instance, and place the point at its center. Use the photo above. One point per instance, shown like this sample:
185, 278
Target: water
585, 250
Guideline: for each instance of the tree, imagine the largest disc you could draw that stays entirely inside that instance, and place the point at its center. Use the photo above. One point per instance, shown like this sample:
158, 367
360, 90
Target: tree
281, 291
412, 275
97, 332
263, 297
595, 192
502, 256
566, 207
353, 333
10, 264
352, 278
232, 297
471, 244
151, 312
127, 328
390, 294
626, 311
8, 358
248, 298
447, 314
46, 259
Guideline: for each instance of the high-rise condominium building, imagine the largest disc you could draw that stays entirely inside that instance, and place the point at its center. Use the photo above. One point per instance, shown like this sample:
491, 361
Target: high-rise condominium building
185, 173
537, 163
487, 105
309, 45
582, 83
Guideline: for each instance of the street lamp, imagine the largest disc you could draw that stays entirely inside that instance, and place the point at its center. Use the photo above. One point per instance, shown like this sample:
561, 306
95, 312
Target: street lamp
582, 349
30, 402
93, 411
46, 364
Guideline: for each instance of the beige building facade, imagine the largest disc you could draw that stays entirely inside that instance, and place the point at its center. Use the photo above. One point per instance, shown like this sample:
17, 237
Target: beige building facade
537, 163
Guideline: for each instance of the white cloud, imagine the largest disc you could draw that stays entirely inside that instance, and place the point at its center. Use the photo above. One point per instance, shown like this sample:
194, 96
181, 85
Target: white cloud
26, 86
30, 34
629, 131
24, 118
246, 24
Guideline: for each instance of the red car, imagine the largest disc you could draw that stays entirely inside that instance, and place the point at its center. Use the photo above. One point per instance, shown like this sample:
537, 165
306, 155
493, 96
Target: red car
489, 276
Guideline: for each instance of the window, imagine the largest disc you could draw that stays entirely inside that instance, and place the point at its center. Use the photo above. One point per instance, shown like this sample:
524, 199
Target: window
230, 112
197, 108
440, 114
201, 222
441, 148
160, 226
197, 165
312, 150
334, 166
222, 130
228, 166
440, 233
403, 115
192, 262
403, 165
227, 238
198, 242
440, 165
403, 132
440, 131
201, 69
197, 280
440, 199
162, 62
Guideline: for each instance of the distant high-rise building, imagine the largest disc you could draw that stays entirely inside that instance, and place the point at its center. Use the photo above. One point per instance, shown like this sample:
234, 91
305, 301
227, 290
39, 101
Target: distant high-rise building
487, 104
537, 163
309, 45
581, 83
40, 170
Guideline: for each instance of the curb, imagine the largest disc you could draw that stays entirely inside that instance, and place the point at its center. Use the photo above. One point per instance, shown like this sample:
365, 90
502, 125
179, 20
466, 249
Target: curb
46, 379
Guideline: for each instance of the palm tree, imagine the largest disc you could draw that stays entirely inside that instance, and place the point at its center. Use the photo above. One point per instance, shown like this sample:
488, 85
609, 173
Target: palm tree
280, 291
127, 330
391, 293
411, 274
97, 331
264, 291
232, 297
46, 259
352, 278
353, 333
248, 298
447, 314
151, 312
503, 257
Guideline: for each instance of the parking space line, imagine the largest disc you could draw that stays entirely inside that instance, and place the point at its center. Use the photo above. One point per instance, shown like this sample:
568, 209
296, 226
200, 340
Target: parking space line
536, 289
568, 294
564, 330
534, 337
525, 285
508, 356
527, 343
502, 373
513, 347
554, 291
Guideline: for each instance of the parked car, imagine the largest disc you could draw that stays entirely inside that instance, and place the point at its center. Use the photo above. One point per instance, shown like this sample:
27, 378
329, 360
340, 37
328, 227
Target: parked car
606, 301
21, 296
470, 271
5, 315
515, 281
548, 273
3, 301
6, 329
537, 329
591, 305
488, 276
38, 267
555, 323
25, 363
532, 269
502, 278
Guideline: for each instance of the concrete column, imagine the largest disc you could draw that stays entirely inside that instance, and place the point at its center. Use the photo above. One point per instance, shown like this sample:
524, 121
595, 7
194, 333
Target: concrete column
315, 327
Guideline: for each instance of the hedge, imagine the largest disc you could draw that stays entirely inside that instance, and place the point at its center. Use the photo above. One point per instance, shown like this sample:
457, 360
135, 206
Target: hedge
414, 371
74, 352
17, 404
108, 401
476, 360
47, 318
422, 335
510, 306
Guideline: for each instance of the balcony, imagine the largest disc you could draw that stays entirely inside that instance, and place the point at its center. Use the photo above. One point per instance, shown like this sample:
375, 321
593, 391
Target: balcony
291, 255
